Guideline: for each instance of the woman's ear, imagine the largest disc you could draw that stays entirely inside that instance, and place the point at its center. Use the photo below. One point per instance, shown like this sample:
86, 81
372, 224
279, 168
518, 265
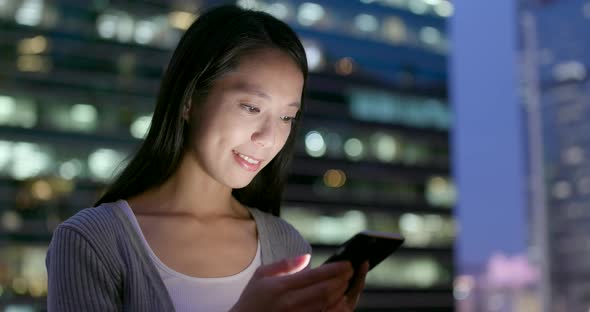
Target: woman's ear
186, 109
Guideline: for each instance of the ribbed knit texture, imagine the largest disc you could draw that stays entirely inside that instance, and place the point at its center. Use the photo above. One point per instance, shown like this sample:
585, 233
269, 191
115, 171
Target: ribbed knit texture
97, 262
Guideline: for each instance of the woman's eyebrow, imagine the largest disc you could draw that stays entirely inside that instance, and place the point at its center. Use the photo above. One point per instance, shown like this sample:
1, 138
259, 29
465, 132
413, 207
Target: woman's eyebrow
251, 89
247, 88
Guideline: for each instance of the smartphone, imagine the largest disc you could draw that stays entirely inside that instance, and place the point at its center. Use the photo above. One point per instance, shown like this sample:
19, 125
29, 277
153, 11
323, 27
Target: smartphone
367, 245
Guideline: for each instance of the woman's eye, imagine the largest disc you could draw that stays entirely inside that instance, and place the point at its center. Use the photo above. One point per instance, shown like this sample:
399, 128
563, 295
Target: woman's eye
250, 108
288, 118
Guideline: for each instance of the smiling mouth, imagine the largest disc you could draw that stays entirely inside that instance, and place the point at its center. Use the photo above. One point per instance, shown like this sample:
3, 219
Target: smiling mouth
248, 159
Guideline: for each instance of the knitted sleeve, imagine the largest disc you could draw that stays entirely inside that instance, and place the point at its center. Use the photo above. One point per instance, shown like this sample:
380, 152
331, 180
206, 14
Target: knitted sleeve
77, 279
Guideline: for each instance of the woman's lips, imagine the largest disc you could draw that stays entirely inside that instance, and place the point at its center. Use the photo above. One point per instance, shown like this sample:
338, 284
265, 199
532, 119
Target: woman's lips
247, 162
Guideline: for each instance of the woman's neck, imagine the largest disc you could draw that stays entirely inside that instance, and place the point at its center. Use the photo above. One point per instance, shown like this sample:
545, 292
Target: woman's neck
191, 192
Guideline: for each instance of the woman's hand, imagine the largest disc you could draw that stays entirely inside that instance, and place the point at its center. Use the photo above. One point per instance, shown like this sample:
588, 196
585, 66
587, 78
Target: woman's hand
349, 301
285, 286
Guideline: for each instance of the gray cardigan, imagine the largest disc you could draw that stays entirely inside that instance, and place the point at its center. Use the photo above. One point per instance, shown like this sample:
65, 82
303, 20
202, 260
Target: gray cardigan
97, 262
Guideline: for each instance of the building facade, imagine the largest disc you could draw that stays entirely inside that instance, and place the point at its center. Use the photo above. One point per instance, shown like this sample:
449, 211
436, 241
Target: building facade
78, 84
556, 105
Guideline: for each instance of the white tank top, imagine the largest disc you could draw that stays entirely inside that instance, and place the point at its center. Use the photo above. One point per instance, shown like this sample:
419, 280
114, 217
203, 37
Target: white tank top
195, 293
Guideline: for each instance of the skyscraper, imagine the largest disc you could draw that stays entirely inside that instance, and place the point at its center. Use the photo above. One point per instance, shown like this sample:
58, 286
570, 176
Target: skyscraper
554, 54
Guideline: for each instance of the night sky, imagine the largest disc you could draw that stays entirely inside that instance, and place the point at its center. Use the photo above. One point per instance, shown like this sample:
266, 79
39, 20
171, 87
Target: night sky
488, 138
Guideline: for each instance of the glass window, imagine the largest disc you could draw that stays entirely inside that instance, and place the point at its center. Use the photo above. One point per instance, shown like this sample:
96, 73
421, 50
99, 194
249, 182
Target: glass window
17, 112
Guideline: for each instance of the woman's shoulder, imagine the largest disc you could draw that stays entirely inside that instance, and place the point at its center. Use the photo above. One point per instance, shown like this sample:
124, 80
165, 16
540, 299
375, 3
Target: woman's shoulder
282, 232
99, 223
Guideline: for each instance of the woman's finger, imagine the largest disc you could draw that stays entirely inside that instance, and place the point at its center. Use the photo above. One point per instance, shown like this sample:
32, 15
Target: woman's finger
358, 285
313, 276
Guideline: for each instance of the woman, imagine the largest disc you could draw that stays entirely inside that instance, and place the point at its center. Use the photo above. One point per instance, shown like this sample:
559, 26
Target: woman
191, 223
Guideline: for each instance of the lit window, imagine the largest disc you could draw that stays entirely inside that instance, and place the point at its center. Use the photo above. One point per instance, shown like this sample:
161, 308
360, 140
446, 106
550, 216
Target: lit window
30, 13
278, 10
315, 145
70, 169
440, 192
444, 8
29, 160
310, 13
562, 190
345, 66
125, 27
35, 45
140, 126
417, 6
573, 155
385, 147
83, 117
103, 163
181, 20
394, 29
366, 22
33, 63
334, 178
145, 32
353, 148
314, 55
107, 25
567, 71
331, 229
11, 221
430, 35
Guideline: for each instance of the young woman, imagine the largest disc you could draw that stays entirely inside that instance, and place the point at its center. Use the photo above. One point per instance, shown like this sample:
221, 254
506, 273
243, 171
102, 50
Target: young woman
191, 224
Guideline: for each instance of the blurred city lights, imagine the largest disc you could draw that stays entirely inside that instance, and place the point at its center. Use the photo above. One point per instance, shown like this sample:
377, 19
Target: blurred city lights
145, 32
366, 22
444, 8
11, 221
430, 35
440, 192
181, 20
107, 25
28, 160
315, 145
573, 155
125, 27
33, 63
353, 148
344, 66
140, 126
463, 286
103, 162
562, 190
573, 70
314, 55
70, 169
84, 116
30, 13
7, 108
334, 178
41, 189
385, 147
394, 29
35, 45
278, 10
310, 13
418, 6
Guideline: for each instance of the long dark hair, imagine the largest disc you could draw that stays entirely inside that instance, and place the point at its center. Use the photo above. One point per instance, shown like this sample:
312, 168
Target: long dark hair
211, 47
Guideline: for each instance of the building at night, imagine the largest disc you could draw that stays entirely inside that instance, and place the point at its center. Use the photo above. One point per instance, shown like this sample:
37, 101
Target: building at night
77, 87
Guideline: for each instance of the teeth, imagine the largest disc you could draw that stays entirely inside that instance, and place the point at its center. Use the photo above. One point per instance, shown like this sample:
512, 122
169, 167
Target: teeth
248, 159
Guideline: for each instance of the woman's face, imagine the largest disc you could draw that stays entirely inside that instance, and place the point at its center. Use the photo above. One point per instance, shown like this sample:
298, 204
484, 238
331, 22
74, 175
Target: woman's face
246, 118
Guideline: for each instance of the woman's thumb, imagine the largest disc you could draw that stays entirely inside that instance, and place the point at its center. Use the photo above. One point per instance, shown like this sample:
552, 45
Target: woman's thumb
285, 266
